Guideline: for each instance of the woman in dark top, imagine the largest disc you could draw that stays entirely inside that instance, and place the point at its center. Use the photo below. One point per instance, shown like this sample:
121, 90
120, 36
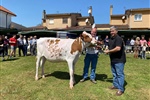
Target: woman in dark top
2, 47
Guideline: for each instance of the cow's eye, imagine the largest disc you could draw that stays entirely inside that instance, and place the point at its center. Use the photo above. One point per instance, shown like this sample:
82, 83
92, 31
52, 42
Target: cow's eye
87, 36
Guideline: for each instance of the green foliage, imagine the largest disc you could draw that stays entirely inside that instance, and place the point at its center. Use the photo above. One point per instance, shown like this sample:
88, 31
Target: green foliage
17, 81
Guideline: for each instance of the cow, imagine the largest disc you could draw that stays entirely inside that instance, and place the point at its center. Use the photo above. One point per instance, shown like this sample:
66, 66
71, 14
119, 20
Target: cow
57, 50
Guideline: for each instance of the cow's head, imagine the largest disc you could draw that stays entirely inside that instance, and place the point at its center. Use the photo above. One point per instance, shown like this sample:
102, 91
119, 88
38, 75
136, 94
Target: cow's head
88, 39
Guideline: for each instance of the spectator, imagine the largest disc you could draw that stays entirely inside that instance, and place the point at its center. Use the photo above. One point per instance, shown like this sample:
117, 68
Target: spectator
148, 43
6, 46
144, 46
106, 41
25, 45
142, 41
28, 48
132, 44
128, 45
2, 47
30, 44
33, 45
21, 45
136, 47
13, 45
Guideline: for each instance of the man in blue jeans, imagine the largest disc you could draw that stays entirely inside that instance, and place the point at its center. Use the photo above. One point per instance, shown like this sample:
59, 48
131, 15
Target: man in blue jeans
91, 57
117, 55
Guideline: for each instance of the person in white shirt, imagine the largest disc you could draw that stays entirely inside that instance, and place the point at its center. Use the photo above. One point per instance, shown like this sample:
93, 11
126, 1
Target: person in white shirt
144, 46
132, 44
25, 45
91, 57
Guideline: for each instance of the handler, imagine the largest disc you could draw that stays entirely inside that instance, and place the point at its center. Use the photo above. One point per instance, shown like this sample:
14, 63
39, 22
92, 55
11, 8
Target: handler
117, 55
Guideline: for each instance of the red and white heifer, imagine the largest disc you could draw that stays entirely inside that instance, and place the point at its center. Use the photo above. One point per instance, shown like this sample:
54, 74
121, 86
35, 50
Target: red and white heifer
56, 50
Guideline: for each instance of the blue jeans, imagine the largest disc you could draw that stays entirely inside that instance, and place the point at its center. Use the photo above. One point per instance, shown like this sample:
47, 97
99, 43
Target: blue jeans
143, 54
25, 49
118, 75
90, 59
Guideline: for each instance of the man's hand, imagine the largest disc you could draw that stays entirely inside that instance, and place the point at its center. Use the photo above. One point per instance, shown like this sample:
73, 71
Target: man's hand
106, 51
1, 45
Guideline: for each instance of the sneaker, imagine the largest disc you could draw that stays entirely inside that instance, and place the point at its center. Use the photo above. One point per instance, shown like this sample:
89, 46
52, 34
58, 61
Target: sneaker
82, 80
93, 81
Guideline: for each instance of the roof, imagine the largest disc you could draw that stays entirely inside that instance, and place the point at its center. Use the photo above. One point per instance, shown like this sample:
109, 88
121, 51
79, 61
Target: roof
63, 14
119, 27
119, 15
136, 9
87, 28
34, 28
6, 10
139, 9
17, 26
84, 17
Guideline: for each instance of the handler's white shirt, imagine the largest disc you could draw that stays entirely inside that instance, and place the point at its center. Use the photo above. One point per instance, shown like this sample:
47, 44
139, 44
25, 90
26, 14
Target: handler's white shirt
92, 50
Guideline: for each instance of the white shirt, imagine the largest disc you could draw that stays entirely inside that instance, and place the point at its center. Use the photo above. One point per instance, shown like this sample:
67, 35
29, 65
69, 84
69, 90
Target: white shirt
132, 42
92, 50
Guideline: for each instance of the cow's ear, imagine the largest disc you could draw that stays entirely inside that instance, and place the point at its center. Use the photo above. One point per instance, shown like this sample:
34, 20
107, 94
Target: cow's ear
81, 36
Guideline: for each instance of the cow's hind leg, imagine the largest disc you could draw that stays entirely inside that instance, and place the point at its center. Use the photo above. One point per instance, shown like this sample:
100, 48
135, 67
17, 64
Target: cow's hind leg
42, 62
37, 66
71, 72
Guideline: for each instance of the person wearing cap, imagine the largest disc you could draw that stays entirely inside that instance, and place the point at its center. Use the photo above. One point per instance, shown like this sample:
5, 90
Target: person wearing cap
117, 56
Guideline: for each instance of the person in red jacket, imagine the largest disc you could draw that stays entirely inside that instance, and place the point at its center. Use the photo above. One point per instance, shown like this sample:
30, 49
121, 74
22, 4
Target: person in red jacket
13, 45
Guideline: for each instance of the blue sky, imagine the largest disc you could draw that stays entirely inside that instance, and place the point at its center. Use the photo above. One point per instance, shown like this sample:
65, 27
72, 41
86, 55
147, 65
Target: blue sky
29, 12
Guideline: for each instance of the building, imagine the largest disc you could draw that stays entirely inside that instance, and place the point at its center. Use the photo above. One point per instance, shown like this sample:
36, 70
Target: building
5, 17
66, 20
135, 19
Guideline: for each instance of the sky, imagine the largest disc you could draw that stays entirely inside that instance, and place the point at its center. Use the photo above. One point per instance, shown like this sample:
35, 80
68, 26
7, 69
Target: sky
29, 12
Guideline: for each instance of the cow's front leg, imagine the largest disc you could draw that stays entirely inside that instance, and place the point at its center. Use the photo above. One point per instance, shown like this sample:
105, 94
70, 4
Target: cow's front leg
37, 66
71, 72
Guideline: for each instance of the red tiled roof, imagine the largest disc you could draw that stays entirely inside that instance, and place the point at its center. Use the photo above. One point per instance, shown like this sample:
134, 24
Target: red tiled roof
6, 10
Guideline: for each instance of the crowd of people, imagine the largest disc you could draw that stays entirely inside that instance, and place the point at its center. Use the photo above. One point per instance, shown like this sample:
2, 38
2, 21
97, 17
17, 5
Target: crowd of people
25, 46
138, 46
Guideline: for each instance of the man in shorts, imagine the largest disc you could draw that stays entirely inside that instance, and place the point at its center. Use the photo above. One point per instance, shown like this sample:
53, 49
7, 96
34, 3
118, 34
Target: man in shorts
13, 45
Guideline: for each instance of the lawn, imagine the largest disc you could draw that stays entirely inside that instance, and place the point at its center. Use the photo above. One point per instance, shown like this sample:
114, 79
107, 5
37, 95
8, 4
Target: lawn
17, 81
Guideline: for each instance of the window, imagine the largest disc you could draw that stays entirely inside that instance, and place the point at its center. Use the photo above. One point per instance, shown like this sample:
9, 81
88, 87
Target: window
138, 17
51, 20
65, 20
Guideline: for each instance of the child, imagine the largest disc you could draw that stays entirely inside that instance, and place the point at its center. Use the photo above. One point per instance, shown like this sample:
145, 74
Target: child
144, 46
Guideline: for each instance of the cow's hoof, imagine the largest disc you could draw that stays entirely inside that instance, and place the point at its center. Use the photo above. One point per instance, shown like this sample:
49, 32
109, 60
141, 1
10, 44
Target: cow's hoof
43, 76
36, 78
71, 87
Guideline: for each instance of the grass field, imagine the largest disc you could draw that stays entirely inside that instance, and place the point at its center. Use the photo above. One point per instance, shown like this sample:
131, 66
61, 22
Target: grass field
17, 81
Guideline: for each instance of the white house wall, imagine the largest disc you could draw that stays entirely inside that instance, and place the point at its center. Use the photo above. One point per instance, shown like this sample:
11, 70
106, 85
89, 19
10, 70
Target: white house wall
3, 20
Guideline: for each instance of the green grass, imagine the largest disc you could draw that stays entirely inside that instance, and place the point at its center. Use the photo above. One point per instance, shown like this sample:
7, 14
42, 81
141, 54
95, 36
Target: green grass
17, 81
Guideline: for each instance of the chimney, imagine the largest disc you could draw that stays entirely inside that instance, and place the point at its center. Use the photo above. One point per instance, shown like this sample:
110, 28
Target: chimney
44, 14
111, 9
90, 11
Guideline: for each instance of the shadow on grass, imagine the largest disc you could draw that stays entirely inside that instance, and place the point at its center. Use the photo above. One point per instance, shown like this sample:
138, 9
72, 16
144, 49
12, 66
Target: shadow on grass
101, 77
64, 75
111, 81
12, 59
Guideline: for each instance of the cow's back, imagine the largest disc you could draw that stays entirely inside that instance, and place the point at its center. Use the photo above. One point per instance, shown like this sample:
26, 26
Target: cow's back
54, 49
